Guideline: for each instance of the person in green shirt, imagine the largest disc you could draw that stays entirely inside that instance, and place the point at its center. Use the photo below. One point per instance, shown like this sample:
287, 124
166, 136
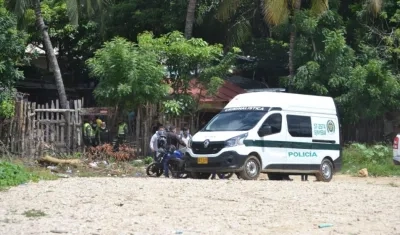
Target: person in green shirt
88, 134
122, 132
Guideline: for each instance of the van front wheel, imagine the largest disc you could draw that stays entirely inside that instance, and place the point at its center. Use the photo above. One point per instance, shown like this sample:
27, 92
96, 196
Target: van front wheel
252, 168
325, 173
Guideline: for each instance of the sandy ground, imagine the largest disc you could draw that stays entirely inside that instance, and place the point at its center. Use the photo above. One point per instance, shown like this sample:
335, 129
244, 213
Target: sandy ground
170, 206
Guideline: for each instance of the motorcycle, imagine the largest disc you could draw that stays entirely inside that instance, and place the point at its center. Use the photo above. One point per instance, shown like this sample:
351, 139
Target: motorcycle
176, 164
156, 169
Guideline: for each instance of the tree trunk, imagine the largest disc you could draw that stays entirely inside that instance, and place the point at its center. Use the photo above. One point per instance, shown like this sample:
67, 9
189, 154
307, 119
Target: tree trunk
51, 56
190, 18
296, 7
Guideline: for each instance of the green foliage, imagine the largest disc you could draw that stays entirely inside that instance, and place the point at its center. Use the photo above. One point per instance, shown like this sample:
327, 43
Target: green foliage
148, 160
7, 104
181, 104
76, 43
12, 174
130, 18
127, 73
377, 159
185, 60
12, 49
363, 86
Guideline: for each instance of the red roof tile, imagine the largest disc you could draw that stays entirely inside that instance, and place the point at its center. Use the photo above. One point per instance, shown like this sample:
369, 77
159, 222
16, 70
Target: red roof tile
225, 93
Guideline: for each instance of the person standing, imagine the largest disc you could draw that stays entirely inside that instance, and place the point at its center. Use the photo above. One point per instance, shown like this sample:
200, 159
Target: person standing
173, 141
154, 142
304, 177
185, 135
98, 121
88, 134
103, 134
122, 132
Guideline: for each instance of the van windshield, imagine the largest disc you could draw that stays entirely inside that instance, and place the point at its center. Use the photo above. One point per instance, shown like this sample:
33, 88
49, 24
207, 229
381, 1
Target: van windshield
234, 121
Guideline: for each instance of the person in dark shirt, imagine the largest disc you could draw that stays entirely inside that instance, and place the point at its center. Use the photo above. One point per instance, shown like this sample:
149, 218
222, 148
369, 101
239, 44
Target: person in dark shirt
103, 134
173, 141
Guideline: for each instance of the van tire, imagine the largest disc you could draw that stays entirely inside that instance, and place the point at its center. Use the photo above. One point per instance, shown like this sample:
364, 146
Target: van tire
325, 173
251, 168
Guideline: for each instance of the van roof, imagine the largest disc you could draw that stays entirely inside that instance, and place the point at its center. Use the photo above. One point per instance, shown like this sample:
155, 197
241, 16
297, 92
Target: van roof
286, 101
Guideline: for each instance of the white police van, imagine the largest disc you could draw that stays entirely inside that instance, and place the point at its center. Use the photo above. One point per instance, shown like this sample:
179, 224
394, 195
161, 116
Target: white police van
396, 150
276, 133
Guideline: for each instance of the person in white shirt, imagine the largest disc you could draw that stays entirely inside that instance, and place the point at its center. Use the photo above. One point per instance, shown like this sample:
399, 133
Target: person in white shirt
153, 142
185, 136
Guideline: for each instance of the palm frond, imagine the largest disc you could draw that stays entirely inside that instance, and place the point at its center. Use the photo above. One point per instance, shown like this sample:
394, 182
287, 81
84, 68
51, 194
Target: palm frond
73, 12
227, 8
239, 32
319, 6
275, 11
375, 6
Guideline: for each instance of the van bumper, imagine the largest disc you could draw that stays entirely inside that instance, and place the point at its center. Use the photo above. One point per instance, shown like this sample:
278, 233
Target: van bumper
229, 161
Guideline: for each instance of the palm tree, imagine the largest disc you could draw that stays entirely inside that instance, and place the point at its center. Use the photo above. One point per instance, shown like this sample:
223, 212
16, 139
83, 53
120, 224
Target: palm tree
20, 6
277, 12
374, 6
190, 15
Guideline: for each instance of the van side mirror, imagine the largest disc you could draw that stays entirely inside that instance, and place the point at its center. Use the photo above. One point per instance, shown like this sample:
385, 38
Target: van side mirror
265, 130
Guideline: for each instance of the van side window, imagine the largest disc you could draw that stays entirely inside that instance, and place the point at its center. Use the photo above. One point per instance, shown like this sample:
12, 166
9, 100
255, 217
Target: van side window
275, 122
299, 126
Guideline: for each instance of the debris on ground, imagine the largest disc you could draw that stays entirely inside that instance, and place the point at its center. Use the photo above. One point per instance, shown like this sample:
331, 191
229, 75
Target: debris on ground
325, 225
93, 165
363, 172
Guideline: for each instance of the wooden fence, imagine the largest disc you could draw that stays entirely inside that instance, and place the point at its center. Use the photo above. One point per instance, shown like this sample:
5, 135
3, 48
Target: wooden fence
39, 127
36, 128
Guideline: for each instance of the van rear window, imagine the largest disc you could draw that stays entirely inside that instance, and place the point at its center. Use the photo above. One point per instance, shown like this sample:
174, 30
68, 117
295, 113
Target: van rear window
299, 126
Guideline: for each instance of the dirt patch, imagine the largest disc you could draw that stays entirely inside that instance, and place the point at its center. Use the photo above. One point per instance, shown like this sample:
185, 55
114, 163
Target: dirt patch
170, 206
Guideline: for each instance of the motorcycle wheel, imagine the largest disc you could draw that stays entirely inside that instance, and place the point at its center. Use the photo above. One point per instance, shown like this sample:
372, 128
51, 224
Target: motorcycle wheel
153, 170
176, 173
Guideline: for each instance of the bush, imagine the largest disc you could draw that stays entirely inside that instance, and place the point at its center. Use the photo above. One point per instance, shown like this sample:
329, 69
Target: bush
148, 160
12, 174
106, 152
378, 159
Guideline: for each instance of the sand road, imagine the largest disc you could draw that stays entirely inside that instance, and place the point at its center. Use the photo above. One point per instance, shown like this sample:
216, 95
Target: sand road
168, 206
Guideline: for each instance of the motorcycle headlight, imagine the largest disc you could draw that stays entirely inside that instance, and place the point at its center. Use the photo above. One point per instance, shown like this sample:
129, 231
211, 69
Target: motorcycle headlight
235, 141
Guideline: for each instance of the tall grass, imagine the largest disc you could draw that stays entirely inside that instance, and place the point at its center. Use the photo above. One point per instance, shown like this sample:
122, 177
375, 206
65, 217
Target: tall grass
378, 159
13, 174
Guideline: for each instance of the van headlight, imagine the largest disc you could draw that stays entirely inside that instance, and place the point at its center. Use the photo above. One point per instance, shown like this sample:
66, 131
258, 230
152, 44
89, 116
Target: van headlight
237, 140
189, 143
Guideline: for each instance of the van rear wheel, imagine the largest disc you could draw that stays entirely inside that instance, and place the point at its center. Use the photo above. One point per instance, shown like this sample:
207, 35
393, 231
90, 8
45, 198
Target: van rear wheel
252, 168
325, 173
